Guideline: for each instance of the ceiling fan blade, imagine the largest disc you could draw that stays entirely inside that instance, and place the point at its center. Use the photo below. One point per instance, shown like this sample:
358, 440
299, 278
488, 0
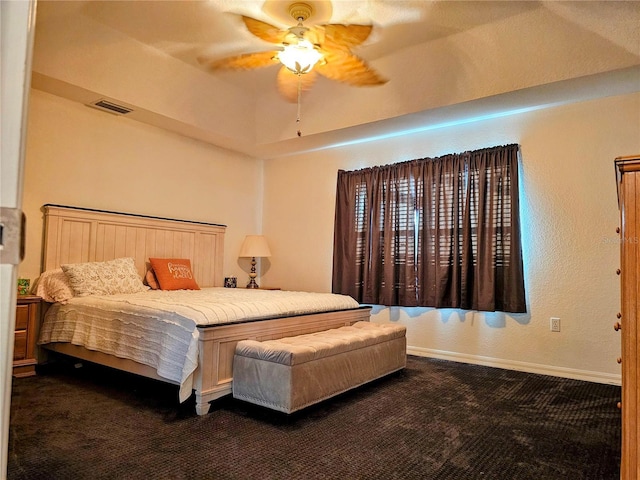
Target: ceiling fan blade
288, 83
347, 35
343, 66
264, 31
245, 61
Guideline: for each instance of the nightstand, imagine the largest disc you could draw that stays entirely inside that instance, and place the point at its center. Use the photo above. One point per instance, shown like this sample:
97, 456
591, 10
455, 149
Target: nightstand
24, 349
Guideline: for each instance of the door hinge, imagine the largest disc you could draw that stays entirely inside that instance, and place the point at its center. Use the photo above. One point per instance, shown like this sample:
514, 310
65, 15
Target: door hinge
12, 235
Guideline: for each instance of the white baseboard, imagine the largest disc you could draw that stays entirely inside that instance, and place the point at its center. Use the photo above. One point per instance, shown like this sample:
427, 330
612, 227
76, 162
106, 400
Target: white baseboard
586, 375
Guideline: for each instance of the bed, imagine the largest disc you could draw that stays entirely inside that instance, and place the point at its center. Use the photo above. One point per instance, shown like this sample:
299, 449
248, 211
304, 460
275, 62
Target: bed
78, 235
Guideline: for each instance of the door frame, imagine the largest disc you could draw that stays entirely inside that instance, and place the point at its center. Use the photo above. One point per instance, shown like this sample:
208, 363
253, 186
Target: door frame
17, 25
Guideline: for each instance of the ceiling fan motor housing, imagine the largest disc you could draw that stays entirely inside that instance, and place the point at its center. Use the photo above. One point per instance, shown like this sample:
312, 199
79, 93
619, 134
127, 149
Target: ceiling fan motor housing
300, 11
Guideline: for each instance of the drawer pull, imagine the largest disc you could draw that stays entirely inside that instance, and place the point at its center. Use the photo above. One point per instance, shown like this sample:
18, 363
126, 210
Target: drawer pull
617, 326
618, 272
619, 359
617, 229
619, 315
619, 405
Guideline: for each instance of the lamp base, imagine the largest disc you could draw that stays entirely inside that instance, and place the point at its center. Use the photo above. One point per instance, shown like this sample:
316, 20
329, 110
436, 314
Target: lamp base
252, 276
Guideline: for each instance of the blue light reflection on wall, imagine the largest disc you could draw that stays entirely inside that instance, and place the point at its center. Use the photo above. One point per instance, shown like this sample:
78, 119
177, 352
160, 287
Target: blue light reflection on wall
526, 234
451, 123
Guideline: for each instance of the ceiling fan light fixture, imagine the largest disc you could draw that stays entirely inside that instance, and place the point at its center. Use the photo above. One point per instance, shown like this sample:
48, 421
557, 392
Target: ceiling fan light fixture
300, 57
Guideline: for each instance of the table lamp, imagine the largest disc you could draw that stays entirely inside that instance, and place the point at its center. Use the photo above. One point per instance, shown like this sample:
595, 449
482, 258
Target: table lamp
254, 246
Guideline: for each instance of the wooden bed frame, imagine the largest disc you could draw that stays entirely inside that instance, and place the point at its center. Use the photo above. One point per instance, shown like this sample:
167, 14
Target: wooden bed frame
73, 235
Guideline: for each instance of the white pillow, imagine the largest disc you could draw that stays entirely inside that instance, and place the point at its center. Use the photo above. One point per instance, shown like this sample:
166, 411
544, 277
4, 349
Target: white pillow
53, 286
104, 278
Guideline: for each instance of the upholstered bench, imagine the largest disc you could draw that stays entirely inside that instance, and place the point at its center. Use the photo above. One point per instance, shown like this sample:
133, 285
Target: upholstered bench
294, 372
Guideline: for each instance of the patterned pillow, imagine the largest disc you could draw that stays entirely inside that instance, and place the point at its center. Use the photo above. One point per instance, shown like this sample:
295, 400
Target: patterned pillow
104, 278
174, 273
53, 286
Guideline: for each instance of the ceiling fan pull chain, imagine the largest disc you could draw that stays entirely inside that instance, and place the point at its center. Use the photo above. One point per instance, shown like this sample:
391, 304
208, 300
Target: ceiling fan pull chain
299, 102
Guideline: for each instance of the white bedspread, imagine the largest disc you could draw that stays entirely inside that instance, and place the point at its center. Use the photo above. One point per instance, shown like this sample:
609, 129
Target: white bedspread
158, 328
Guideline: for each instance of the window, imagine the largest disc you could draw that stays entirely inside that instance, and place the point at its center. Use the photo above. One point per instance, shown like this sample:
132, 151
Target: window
441, 232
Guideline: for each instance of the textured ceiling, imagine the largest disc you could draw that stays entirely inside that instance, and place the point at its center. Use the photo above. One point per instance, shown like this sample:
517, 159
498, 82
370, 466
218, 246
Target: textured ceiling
446, 61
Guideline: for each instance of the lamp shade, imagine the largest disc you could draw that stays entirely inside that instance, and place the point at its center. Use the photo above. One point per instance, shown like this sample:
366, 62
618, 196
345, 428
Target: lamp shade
255, 246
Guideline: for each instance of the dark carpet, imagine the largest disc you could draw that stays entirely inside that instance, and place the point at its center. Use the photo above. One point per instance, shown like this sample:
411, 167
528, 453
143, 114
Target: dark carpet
433, 420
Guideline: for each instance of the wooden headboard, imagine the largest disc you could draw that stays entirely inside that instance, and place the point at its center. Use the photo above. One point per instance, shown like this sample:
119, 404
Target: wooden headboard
75, 235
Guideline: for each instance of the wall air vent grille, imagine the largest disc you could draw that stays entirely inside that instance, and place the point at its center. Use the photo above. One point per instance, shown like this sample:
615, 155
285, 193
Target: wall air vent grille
111, 107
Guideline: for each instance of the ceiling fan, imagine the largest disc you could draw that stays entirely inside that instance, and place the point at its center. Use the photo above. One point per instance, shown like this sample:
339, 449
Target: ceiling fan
305, 52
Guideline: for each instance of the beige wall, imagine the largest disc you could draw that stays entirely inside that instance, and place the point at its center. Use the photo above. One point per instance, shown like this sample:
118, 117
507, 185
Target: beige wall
83, 157
569, 215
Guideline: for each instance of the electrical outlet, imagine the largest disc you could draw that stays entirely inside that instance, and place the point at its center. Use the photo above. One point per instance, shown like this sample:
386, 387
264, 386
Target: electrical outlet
554, 324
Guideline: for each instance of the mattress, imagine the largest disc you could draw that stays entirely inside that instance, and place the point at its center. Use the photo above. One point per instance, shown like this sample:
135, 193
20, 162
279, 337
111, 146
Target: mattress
159, 328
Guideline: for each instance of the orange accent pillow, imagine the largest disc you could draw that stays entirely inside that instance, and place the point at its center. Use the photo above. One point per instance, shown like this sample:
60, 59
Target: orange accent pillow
174, 273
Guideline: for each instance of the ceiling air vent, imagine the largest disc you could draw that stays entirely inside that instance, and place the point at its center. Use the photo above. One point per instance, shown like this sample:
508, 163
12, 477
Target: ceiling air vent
111, 107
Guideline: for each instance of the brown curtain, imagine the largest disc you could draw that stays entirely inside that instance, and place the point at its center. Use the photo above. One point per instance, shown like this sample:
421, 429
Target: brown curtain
434, 232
